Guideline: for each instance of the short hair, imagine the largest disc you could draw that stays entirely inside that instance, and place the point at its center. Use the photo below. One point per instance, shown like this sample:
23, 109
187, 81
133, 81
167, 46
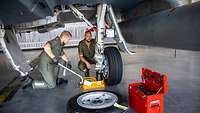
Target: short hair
66, 33
88, 32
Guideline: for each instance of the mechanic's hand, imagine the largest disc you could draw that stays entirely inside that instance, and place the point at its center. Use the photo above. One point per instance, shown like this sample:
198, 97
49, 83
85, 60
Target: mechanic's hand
69, 65
55, 60
88, 65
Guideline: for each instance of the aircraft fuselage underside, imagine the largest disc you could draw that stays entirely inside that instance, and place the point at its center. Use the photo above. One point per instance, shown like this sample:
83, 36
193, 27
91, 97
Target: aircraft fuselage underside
17, 59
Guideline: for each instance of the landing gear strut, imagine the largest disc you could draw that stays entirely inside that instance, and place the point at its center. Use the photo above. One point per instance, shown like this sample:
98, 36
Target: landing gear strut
109, 61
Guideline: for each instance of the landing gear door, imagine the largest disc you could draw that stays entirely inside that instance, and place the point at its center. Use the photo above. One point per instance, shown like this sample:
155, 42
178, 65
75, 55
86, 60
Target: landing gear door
13, 52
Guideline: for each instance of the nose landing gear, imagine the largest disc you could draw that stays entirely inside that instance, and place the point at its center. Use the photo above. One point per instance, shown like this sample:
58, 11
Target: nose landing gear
109, 62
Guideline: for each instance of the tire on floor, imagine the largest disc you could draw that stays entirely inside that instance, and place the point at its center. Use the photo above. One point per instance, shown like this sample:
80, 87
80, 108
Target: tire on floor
73, 107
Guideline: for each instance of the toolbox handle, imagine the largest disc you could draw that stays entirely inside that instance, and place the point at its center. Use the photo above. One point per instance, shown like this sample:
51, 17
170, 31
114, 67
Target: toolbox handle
155, 103
159, 90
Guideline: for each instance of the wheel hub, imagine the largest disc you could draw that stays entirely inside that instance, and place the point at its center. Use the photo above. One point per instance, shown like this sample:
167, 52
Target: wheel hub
106, 68
97, 100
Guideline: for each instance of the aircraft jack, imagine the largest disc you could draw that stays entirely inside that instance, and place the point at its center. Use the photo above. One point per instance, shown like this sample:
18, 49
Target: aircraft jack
87, 83
91, 83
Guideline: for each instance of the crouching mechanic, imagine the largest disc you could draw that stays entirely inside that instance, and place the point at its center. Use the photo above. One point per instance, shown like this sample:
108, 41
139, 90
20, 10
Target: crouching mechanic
86, 50
48, 60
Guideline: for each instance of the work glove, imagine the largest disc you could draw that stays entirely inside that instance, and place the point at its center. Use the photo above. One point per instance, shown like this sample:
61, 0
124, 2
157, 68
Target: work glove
69, 65
55, 60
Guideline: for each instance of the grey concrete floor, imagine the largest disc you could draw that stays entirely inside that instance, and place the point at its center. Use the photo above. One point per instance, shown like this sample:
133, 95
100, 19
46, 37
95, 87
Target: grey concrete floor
183, 72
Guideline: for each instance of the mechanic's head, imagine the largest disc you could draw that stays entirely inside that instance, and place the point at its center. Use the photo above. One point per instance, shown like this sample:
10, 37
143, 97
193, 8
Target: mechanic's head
88, 36
65, 36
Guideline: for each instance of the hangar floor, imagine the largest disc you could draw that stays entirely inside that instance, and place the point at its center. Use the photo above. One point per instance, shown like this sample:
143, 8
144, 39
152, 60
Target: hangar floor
183, 72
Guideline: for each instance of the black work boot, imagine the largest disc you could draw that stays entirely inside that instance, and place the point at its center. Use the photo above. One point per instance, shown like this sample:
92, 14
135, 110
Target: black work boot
27, 82
60, 81
99, 76
87, 73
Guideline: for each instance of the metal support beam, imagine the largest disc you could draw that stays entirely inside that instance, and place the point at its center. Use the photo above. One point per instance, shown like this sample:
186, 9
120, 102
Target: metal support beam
120, 40
12, 50
79, 15
99, 49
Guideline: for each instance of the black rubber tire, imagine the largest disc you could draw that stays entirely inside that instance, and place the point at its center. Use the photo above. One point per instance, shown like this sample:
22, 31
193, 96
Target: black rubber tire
115, 66
73, 107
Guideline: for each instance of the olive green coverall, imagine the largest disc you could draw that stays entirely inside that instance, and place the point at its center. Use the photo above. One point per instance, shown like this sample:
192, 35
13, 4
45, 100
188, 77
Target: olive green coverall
88, 53
50, 71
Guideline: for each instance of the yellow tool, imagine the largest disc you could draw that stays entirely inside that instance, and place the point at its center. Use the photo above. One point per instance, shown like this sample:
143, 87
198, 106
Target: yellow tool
87, 83
91, 83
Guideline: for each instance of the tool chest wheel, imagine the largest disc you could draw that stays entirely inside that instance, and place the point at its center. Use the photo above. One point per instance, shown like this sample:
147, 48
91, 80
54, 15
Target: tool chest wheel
115, 66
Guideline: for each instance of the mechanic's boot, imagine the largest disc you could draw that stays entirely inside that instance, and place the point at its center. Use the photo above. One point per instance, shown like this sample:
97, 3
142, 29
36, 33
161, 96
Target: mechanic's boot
27, 82
87, 73
60, 81
99, 76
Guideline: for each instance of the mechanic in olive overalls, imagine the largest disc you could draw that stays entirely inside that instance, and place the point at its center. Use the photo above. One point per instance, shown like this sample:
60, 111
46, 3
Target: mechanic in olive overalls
86, 50
48, 61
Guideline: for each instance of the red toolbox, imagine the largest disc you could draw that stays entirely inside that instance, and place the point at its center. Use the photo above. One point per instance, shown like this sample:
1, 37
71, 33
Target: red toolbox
148, 96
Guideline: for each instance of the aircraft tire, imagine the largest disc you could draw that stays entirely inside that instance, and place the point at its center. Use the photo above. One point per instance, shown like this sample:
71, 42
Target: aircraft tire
73, 107
115, 66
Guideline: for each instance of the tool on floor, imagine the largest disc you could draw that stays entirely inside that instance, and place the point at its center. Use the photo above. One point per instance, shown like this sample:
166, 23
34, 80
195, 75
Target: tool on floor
87, 83
120, 106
